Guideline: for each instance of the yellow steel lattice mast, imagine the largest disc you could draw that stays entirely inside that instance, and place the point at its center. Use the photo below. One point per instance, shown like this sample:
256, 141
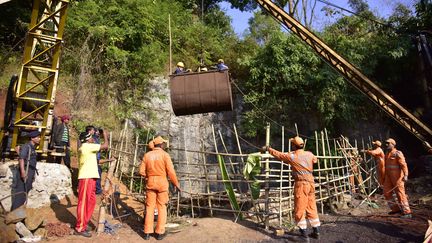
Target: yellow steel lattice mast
36, 87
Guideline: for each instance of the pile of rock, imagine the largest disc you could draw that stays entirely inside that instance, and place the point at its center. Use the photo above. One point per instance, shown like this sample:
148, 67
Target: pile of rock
22, 224
52, 181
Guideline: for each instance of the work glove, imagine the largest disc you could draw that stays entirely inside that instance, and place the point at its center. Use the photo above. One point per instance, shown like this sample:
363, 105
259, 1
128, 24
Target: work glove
264, 149
179, 189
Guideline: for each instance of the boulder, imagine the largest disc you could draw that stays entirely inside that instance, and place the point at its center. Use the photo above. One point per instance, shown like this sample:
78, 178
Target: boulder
16, 215
42, 232
22, 230
53, 179
7, 233
33, 220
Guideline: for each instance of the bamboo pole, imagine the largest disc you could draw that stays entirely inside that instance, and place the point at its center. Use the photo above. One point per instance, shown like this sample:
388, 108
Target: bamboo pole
242, 160
280, 184
226, 151
206, 176
267, 185
331, 163
325, 162
122, 133
170, 44
319, 172
189, 179
134, 160
290, 184
145, 151
126, 148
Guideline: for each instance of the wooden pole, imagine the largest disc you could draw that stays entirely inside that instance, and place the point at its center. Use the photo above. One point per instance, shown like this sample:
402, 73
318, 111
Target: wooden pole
248, 185
134, 160
122, 134
267, 185
319, 172
107, 186
126, 148
280, 183
190, 183
170, 44
145, 151
331, 164
207, 179
226, 151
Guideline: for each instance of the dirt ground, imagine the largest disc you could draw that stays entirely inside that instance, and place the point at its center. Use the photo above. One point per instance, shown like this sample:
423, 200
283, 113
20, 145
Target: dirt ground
363, 224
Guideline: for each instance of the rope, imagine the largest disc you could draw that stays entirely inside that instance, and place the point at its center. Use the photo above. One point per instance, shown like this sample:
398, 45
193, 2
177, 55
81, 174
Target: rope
358, 15
270, 119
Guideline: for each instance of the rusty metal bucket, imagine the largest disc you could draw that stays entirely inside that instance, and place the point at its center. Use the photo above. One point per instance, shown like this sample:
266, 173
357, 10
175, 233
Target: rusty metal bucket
194, 93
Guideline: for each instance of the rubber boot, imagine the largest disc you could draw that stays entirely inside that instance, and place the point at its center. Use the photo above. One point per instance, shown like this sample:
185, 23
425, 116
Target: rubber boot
315, 233
303, 233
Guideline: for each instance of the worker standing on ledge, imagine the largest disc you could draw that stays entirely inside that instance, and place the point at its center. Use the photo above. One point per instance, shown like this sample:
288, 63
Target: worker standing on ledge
304, 186
155, 168
396, 174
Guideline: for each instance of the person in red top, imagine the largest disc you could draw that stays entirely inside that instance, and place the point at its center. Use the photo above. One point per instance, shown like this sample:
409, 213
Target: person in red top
155, 167
378, 155
396, 173
304, 186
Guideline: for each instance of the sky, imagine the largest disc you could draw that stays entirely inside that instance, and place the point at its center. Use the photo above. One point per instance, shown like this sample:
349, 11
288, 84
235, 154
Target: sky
382, 8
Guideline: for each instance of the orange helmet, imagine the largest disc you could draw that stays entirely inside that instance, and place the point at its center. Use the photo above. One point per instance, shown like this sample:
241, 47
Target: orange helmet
298, 141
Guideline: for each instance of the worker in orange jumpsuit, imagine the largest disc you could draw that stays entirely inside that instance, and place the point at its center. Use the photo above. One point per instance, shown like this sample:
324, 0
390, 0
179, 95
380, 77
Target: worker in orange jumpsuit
155, 167
304, 187
396, 173
378, 155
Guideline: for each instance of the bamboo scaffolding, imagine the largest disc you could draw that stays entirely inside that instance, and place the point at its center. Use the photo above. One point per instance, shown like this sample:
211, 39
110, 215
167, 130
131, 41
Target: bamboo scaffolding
276, 196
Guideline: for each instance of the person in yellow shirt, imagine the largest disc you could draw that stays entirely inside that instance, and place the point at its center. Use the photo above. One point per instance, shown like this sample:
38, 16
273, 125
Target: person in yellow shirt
87, 176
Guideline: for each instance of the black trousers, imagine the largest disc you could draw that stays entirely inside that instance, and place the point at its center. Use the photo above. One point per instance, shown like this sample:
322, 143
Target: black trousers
66, 158
19, 197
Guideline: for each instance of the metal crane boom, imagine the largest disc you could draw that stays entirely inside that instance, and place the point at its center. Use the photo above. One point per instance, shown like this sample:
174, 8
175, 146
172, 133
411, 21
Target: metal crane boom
351, 74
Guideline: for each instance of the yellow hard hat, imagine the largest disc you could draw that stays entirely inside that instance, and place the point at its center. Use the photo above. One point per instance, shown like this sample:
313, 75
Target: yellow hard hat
377, 143
180, 64
391, 141
220, 60
159, 140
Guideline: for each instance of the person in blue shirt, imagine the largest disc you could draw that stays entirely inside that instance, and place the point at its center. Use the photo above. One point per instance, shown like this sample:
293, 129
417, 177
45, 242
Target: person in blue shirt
221, 65
180, 68
26, 171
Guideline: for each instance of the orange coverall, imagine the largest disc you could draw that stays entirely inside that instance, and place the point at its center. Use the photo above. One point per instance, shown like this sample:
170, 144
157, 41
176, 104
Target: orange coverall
395, 169
304, 187
378, 155
155, 167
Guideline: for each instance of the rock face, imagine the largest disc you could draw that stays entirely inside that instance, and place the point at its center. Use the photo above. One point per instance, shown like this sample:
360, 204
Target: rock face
192, 132
53, 179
